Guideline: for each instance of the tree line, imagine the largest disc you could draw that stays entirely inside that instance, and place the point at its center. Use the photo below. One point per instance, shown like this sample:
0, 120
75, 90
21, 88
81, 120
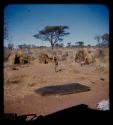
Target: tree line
55, 36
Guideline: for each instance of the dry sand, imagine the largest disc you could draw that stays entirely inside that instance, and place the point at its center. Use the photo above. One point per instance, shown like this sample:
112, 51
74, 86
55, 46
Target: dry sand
20, 98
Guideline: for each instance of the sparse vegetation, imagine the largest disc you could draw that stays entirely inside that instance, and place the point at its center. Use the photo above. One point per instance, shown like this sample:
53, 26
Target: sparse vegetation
24, 77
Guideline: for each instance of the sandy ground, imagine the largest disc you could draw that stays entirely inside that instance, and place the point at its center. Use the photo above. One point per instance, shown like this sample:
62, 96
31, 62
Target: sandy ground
20, 97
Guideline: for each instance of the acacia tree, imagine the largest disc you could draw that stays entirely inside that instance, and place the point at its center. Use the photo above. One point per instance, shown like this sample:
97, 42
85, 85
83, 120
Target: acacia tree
98, 38
81, 43
10, 46
53, 34
105, 39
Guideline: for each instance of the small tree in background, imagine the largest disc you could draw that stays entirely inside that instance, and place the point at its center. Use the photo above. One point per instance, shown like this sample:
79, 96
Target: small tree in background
10, 46
98, 38
69, 44
53, 34
80, 43
89, 45
102, 40
57, 45
105, 39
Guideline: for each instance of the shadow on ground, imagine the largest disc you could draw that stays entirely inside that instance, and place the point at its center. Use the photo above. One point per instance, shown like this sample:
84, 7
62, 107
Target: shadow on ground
62, 89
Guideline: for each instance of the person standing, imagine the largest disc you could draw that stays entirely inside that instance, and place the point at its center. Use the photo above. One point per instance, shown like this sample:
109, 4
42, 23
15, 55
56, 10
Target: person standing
56, 63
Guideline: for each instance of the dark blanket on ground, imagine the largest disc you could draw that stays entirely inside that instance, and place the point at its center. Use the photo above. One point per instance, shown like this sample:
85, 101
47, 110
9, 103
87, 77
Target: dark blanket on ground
62, 89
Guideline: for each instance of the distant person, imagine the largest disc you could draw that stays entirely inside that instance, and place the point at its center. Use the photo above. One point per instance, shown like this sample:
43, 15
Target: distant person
56, 63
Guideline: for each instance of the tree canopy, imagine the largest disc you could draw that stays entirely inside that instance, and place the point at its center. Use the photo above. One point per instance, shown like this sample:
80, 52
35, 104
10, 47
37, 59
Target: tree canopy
53, 34
98, 38
105, 38
102, 39
79, 43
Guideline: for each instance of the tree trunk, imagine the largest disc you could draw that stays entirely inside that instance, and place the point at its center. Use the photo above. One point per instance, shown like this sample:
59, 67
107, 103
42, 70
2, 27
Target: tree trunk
52, 46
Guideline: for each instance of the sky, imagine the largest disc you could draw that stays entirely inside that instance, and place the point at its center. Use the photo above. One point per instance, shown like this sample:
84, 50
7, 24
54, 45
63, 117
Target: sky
85, 21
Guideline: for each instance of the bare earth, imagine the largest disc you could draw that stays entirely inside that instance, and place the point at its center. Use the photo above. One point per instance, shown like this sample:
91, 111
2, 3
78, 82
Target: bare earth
20, 97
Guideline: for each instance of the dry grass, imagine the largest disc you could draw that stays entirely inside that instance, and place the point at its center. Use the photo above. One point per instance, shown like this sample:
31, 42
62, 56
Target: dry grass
73, 69
102, 68
30, 84
67, 57
41, 80
12, 81
32, 81
6, 82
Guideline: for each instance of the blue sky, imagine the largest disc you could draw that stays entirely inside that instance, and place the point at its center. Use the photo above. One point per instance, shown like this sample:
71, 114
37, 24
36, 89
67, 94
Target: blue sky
85, 21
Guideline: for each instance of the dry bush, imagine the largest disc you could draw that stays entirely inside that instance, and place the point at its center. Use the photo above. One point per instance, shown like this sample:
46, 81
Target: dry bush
90, 58
102, 55
79, 56
10, 58
101, 67
7, 53
102, 52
